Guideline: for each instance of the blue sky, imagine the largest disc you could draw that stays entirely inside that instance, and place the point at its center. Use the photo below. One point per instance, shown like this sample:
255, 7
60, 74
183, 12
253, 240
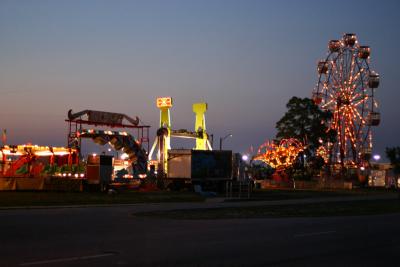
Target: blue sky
244, 58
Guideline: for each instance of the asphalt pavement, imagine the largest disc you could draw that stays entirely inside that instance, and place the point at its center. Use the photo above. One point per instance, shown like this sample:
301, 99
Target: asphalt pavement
113, 236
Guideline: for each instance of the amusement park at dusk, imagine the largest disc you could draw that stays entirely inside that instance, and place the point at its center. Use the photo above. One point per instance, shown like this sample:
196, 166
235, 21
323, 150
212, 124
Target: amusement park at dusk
326, 140
191, 133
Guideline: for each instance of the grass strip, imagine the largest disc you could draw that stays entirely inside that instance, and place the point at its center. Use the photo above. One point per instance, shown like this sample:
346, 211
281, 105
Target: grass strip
280, 194
28, 199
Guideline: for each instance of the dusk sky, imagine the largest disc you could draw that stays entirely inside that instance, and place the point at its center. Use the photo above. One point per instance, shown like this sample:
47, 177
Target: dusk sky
246, 59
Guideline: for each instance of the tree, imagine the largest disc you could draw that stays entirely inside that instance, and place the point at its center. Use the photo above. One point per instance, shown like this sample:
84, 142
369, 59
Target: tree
306, 122
393, 153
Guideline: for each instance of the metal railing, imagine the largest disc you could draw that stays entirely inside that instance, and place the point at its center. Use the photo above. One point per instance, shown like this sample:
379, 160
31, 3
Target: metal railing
238, 189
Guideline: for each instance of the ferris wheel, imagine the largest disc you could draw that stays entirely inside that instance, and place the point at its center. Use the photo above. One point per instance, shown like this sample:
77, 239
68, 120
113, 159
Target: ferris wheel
346, 86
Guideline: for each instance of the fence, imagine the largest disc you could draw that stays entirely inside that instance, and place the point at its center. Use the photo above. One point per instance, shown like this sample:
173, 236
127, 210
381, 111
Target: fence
239, 189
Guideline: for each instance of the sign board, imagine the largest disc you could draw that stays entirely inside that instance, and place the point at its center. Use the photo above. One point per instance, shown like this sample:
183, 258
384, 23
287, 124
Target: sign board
105, 117
164, 102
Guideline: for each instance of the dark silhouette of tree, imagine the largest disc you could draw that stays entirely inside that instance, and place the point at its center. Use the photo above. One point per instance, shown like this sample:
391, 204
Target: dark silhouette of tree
306, 122
393, 153
309, 124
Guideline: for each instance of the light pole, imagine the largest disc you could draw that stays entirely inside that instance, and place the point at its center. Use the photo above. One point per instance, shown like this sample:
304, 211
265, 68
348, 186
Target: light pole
221, 139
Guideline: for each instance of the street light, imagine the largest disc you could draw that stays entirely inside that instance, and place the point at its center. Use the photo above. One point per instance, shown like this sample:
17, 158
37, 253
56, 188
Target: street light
221, 139
377, 157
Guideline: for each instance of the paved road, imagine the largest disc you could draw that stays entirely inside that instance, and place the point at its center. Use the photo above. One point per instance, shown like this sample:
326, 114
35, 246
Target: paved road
111, 236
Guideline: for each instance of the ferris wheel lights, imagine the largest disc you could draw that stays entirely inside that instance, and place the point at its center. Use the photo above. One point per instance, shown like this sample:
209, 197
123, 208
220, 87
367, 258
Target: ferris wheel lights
346, 87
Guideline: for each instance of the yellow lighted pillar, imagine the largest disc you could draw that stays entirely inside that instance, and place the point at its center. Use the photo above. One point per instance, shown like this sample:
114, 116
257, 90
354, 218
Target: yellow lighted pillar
164, 104
200, 125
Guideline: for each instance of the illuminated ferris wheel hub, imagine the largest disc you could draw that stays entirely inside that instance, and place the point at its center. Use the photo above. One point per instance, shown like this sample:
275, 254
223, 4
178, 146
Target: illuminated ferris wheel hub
346, 87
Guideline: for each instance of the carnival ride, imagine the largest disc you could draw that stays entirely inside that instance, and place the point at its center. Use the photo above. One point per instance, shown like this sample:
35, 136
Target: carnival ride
118, 140
346, 87
39, 161
279, 156
164, 133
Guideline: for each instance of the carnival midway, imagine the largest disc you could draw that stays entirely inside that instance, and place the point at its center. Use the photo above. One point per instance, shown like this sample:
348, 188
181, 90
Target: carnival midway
331, 147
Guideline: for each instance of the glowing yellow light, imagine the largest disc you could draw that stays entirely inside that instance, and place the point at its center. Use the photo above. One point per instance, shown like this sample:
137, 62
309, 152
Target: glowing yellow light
279, 156
43, 153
